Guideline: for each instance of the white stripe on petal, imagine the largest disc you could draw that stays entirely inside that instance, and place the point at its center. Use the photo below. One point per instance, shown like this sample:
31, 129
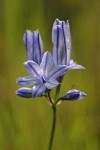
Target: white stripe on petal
68, 42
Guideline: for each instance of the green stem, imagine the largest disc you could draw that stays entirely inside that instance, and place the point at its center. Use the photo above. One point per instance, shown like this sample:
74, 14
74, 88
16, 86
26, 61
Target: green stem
57, 92
56, 101
50, 100
53, 127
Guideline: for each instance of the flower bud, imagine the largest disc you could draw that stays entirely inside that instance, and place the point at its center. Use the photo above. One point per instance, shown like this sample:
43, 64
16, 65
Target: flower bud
73, 95
24, 92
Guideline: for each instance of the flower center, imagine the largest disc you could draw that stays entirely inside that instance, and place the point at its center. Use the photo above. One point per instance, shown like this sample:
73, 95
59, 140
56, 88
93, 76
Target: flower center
43, 79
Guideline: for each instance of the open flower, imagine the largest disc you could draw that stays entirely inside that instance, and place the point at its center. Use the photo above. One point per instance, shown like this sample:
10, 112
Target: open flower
47, 71
34, 46
43, 77
62, 48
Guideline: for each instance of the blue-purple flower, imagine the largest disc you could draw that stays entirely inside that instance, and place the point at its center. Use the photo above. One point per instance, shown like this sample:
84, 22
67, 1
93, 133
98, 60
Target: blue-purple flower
62, 48
42, 76
34, 46
73, 95
46, 71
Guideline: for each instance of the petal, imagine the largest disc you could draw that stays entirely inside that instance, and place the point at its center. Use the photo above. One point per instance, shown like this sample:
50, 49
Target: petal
51, 83
61, 42
38, 90
37, 47
57, 24
73, 65
33, 69
28, 43
46, 64
34, 46
28, 81
24, 92
68, 42
73, 95
57, 71
58, 45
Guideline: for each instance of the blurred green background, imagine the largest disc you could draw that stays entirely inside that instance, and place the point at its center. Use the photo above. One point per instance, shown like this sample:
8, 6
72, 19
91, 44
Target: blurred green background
25, 124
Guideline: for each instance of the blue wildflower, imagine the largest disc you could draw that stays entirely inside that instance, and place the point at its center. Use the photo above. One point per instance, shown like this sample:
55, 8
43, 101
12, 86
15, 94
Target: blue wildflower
73, 95
62, 48
43, 77
47, 71
34, 46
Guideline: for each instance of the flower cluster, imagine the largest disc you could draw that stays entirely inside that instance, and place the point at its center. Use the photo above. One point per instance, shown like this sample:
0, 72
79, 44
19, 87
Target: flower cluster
45, 69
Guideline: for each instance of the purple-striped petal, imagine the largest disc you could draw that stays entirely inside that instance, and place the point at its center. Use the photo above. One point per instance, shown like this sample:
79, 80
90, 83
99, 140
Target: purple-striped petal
37, 47
51, 83
38, 90
57, 71
61, 42
28, 43
34, 46
33, 69
73, 95
46, 64
28, 81
24, 92
58, 45
73, 65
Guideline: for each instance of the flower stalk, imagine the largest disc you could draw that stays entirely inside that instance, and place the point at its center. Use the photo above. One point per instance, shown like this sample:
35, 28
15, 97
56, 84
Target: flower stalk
53, 127
46, 70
